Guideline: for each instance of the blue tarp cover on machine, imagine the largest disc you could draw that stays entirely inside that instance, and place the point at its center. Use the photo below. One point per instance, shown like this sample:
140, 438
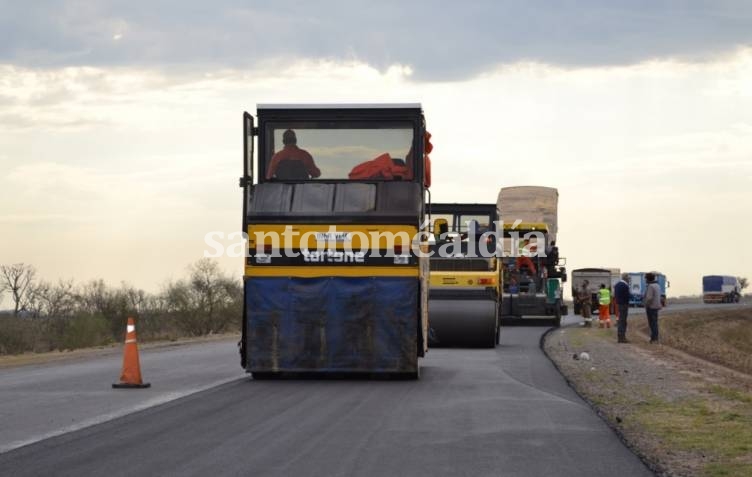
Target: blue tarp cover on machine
332, 324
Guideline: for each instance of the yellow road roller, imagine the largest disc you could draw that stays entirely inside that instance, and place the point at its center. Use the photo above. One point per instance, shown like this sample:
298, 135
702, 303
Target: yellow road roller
332, 205
466, 279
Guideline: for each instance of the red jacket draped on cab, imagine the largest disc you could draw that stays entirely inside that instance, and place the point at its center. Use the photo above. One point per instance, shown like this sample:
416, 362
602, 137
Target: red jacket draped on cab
385, 167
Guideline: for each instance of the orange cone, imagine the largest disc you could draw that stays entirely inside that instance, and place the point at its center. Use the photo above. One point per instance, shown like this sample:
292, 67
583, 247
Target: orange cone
131, 375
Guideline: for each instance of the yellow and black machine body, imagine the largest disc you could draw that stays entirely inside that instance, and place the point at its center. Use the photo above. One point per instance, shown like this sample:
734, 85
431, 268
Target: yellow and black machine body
466, 280
334, 281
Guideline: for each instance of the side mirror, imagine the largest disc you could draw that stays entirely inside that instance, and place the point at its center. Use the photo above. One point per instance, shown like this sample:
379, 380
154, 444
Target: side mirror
248, 133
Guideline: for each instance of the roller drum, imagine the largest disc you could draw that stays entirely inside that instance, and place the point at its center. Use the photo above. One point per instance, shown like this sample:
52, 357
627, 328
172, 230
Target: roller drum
462, 323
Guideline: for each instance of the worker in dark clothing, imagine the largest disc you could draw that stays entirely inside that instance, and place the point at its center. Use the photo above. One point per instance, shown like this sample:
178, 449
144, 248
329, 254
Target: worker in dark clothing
621, 293
552, 258
586, 302
653, 305
292, 163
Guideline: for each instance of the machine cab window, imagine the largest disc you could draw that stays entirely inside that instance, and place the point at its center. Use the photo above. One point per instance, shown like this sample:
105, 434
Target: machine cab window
338, 151
338, 162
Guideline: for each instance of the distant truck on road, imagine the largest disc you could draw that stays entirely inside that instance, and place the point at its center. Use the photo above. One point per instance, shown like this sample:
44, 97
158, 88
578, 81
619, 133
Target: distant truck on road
638, 285
720, 289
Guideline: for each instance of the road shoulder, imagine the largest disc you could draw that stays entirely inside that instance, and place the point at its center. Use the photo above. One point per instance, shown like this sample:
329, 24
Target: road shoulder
680, 416
28, 359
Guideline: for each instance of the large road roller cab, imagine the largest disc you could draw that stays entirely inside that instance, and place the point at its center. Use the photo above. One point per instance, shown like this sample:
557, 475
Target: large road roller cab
465, 280
332, 282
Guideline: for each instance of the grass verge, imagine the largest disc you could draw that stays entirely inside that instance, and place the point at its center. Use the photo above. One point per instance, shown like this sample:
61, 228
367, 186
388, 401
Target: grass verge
680, 419
722, 336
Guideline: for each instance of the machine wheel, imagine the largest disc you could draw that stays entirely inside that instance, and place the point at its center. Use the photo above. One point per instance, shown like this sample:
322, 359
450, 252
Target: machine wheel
412, 374
496, 336
491, 343
463, 323
557, 316
263, 375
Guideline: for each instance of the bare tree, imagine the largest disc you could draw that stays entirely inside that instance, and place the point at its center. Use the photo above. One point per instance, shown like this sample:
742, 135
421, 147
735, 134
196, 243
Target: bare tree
18, 280
55, 301
207, 302
743, 283
136, 300
97, 298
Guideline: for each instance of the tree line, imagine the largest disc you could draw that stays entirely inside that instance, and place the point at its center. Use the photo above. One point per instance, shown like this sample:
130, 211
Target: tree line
47, 316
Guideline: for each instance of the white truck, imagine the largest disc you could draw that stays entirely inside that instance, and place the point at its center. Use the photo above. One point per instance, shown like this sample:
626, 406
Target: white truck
595, 277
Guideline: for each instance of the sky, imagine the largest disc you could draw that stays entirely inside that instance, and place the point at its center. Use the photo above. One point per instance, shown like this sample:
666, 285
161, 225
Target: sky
120, 122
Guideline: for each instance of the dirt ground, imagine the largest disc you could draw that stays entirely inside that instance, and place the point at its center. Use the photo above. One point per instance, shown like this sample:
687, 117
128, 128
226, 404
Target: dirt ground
681, 414
726, 334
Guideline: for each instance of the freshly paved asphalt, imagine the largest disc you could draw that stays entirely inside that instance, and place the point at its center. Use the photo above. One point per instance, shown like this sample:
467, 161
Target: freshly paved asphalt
38, 402
473, 412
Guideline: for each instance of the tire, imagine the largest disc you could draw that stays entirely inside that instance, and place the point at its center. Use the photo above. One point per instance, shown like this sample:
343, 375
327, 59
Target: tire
557, 318
490, 341
413, 375
497, 330
264, 375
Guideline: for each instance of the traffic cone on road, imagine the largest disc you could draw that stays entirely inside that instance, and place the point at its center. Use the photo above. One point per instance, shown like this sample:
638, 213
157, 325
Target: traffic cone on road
131, 375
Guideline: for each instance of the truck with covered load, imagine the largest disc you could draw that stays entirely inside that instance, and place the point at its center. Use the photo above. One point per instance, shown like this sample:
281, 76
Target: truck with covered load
332, 206
720, 289
532, 270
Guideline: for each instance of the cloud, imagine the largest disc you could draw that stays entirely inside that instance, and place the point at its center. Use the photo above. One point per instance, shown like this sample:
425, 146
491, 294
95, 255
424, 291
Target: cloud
651, 147
69, 98
50, 189
448, 41
45, 219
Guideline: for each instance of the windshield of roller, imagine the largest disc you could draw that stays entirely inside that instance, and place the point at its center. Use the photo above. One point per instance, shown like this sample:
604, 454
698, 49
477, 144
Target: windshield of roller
339, 150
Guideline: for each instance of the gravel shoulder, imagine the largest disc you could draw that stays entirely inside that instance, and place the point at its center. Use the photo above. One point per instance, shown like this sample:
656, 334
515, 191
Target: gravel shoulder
682, 415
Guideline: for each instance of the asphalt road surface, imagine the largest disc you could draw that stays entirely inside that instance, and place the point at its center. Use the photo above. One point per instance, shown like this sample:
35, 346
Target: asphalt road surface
473, 412
38, 402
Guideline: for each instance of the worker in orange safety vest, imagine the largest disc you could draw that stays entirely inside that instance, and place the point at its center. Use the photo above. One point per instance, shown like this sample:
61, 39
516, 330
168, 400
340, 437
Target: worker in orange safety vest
604, 309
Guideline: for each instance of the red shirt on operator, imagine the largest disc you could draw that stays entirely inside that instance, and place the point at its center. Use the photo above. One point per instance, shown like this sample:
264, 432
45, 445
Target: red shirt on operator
292, 152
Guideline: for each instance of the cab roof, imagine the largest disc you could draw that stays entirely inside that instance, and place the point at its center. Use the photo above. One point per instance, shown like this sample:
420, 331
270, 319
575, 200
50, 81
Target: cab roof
339, 106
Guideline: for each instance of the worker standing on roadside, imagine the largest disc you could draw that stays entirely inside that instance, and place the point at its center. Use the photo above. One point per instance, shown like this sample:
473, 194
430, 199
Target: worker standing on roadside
621, 296
586, 302
653, 304
604, 312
